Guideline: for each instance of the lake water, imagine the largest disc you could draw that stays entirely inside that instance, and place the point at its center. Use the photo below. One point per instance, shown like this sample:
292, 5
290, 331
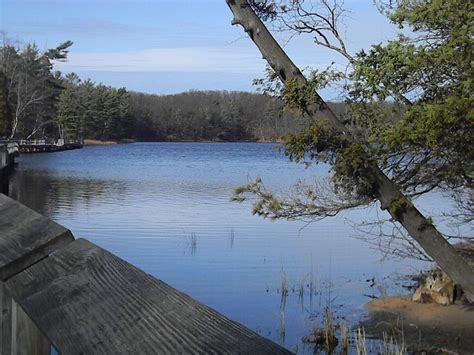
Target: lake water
166, 208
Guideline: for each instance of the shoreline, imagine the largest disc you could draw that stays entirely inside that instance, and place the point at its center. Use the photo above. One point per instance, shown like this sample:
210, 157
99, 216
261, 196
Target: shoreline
422, 326
88, 142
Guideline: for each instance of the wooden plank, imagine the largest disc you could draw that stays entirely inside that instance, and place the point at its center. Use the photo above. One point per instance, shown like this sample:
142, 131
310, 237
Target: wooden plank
18, 334
1, 317
26, 237
4, 180
3, 157
86, 300
4, 169
26, 338
5, 321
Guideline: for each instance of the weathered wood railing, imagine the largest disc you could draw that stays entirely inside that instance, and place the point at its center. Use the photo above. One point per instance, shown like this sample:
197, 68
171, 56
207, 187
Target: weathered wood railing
47, 145
48, 141
8, 152
13, 149
81, 299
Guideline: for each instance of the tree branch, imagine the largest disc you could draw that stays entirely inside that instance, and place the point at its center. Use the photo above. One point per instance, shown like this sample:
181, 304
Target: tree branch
387, 192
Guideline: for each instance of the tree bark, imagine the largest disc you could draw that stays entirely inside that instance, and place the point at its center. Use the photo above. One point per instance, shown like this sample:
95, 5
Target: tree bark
419, 228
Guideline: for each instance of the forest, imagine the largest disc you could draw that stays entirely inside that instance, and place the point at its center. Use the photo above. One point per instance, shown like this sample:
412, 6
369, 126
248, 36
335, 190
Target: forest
38, 102
210, 116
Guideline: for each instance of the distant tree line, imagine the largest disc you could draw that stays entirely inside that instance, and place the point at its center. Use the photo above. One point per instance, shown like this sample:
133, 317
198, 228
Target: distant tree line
88, 110
210, 115
38, 102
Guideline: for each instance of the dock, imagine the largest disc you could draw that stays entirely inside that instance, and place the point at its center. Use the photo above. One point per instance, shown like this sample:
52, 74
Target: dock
71, 294
46, 145
8, 153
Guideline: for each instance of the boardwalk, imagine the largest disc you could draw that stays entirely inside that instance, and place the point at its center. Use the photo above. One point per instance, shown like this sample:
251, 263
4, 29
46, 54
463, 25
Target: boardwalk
84, 300
45, 146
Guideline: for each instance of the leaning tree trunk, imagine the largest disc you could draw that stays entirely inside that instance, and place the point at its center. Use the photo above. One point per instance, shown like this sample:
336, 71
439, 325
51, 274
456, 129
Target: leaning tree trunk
419, 228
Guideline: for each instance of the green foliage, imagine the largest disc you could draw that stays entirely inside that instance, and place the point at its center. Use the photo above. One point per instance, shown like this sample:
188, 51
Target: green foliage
87, 110
409, 107
67, 118
60, 52
410, 100
386, 71
399, 205
317, 142
352, 172
296, 96
431, 75
267, 205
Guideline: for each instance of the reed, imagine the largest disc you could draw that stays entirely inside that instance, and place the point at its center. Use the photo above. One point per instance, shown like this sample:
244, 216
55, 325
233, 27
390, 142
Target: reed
330, 339
360, 341
231, 238
285, 289
344, 331
193, 243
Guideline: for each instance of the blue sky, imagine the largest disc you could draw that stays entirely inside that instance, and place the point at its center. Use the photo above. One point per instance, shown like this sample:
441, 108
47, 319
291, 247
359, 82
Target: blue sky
169, 46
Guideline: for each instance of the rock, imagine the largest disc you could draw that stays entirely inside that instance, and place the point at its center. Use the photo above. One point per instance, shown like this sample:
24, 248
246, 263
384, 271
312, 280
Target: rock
437, 287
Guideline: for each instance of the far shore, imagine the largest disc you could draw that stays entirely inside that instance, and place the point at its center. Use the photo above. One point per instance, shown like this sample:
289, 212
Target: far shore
128, 141
98, 142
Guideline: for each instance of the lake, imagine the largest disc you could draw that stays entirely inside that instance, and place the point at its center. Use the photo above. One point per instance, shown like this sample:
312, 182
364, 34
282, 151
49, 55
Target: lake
166, 208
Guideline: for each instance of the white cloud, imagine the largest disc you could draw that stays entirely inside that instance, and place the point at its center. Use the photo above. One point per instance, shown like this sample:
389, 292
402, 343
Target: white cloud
188, 59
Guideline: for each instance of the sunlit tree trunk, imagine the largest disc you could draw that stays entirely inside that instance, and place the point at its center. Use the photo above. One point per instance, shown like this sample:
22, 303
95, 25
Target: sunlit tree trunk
419, 227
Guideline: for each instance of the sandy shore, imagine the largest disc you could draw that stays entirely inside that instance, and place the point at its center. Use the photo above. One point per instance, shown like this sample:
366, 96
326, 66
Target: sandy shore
426, 326
97, 142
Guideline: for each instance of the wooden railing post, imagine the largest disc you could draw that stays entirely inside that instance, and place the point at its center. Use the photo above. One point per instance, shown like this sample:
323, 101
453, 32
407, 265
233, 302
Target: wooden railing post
19, 335
25, 238
5, 321
3, 155
26, 338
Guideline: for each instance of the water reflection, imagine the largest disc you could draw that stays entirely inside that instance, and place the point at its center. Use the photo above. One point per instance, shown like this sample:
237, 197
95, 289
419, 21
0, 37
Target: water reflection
231, 238
284, 291
166, 209
52, 195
